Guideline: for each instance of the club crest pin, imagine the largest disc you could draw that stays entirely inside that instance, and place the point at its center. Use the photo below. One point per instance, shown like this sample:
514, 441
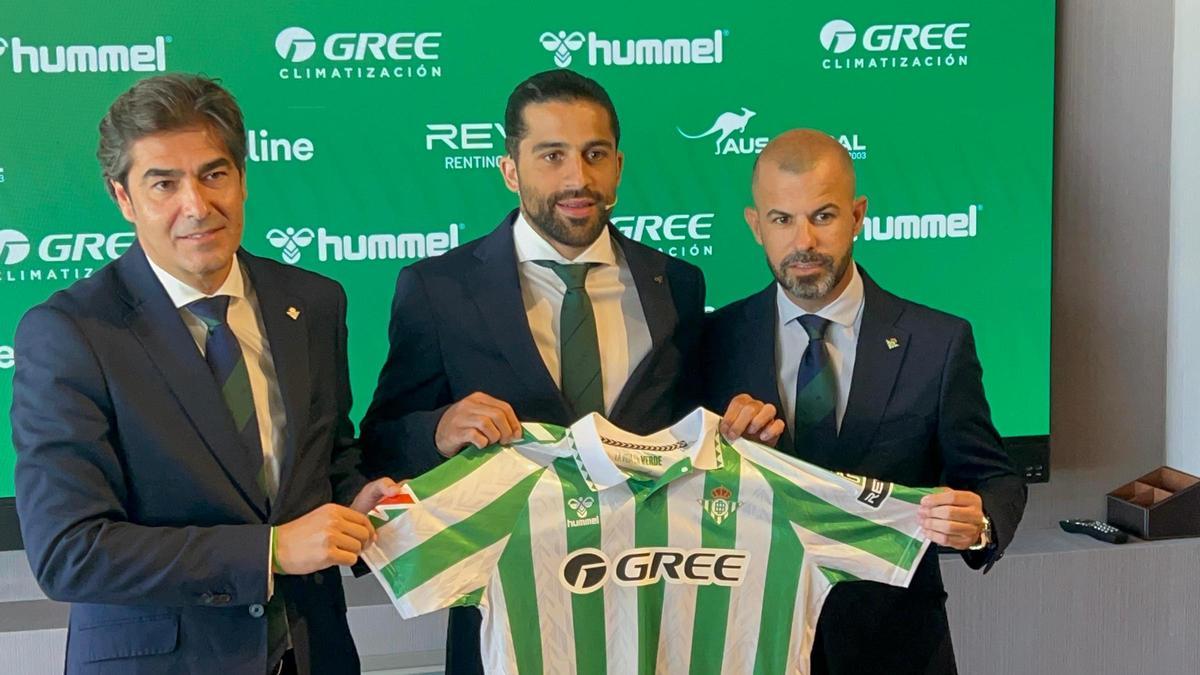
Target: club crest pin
892, 343
293, 313
658, 279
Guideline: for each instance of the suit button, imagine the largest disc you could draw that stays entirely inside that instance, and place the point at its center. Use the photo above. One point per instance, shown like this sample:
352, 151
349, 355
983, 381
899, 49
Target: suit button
256, 611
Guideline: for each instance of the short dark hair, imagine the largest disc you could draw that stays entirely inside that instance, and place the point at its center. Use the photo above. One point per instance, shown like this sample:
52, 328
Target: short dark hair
553, 85
167, 103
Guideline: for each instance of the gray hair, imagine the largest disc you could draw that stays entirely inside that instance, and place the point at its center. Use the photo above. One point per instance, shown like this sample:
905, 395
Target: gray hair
167, 103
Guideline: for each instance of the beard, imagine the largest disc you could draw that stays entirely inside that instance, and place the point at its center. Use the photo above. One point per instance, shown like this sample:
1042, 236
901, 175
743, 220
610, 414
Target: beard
575, 232
811, 288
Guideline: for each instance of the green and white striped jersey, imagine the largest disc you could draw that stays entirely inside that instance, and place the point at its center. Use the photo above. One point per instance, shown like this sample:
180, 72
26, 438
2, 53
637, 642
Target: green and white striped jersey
593, 550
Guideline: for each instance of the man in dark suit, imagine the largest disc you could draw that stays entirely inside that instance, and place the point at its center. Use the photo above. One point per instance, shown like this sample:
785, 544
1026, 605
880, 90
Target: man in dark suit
552, 316
872, 385
181, 422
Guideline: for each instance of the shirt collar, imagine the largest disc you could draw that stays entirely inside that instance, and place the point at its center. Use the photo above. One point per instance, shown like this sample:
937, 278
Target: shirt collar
844, 310
182, 294
531, 246
699, 430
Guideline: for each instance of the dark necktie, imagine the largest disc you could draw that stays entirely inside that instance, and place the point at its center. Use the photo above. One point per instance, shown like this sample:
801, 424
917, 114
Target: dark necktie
579, 343
815, 424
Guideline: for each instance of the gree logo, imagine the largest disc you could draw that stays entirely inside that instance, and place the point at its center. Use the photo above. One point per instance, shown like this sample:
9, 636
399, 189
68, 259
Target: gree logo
588, 569
298, 45
838, 36
14, 247
295, 44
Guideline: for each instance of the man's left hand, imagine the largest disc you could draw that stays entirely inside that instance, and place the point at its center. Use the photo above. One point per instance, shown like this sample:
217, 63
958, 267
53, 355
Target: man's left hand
751, 418
952, 518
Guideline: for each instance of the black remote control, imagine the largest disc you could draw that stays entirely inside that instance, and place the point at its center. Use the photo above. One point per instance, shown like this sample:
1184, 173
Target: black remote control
1095, 529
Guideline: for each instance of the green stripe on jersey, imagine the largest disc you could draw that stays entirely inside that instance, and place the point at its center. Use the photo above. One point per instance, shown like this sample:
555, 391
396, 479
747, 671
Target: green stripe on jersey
460, 541
582, 508
718, 529
813, 513
520, 597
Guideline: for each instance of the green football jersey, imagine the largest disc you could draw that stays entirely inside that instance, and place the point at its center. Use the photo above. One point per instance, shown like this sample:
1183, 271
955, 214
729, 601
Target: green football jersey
592, 550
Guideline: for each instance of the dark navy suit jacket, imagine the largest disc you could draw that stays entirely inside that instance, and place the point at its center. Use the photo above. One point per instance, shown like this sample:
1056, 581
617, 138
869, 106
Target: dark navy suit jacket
138, 501
917, 416
459, 326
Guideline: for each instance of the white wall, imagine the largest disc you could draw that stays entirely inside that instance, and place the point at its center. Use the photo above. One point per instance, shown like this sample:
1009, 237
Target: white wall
1183, 324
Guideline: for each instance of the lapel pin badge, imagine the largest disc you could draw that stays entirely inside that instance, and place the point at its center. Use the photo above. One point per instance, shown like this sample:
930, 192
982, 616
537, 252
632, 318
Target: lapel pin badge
293, 313
892, 343
658, 279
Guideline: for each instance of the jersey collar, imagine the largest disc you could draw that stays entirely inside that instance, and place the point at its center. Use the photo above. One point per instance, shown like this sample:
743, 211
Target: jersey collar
698, 431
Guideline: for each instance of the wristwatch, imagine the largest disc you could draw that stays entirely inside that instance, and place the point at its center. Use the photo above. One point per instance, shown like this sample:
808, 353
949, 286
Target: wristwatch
986, 537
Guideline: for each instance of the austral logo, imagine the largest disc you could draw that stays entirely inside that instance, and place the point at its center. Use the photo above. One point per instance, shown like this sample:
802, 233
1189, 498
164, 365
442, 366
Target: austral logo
359, 55
292, 242
588, 569
143, 58
727, 124
563, 45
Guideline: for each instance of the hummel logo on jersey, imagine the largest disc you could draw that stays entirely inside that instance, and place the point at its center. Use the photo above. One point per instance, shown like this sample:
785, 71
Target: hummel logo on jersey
719, 505
587, 569
581, 506
874, 491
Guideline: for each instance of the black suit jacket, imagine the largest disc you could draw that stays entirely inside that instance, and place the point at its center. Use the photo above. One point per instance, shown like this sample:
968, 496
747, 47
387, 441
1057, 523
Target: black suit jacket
138, 500
917, 416
458, 326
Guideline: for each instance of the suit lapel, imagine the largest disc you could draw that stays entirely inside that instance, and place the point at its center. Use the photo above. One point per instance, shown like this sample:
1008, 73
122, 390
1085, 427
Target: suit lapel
649, 273
285, 322
497, 293
760, 321
155, 322
881, 349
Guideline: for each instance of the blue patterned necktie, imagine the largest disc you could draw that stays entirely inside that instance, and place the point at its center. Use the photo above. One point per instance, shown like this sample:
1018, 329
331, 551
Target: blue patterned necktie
815, 422
223, 353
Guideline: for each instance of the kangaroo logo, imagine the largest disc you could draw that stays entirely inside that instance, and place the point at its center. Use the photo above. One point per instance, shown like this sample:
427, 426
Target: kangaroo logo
291, 241
726, 124
562, 44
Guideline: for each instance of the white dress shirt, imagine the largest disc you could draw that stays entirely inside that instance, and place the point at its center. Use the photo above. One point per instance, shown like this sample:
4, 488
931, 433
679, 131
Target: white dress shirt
623, 334
841, 340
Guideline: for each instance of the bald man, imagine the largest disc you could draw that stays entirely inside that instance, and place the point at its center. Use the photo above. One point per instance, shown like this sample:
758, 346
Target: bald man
870, 384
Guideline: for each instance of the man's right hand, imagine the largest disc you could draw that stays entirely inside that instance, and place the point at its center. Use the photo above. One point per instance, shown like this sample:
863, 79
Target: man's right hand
326, 536
478, 419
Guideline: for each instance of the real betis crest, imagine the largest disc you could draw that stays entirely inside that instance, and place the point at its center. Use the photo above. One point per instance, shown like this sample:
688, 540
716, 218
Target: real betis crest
720, 504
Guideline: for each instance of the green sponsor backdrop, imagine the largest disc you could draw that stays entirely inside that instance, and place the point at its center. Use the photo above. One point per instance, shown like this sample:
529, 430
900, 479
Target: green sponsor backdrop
376, 131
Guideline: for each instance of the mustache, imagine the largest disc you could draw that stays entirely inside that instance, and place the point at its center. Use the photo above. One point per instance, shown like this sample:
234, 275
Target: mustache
805, 257
580, 193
